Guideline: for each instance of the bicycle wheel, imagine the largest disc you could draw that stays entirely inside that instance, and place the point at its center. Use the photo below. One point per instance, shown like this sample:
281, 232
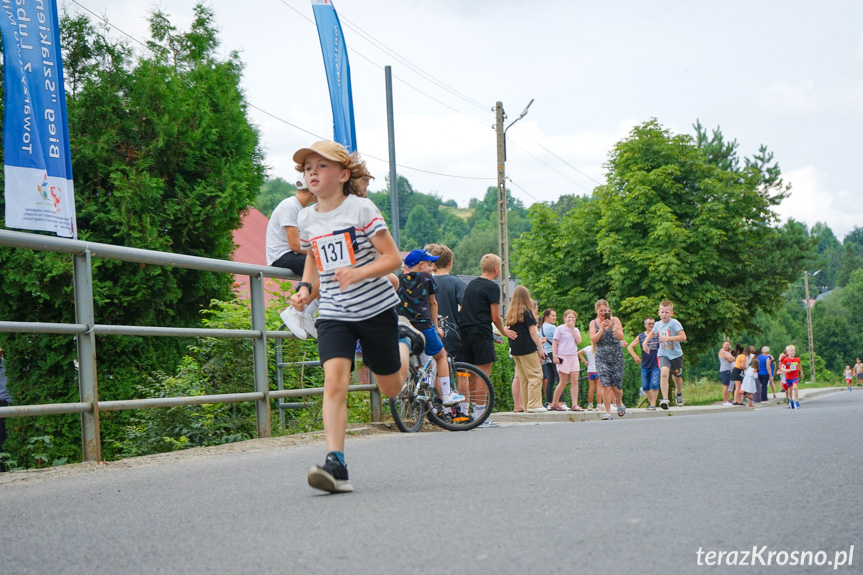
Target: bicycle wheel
408, 411
475, 385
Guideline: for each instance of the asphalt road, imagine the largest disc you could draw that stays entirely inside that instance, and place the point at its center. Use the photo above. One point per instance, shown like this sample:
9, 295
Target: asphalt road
626, 496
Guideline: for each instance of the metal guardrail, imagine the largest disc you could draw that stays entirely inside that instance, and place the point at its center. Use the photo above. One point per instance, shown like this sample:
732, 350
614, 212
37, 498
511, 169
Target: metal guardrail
86, 329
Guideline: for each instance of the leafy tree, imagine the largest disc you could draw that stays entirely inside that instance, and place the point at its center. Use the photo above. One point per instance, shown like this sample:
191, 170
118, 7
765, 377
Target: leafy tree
421, 229
453, 230
165, 158
669, 224
272, 193
829, 259
852, 260
469, 251
855, 238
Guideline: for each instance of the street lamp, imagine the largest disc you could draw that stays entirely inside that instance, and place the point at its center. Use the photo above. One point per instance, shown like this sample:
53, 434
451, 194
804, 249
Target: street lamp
502, 231
809, 326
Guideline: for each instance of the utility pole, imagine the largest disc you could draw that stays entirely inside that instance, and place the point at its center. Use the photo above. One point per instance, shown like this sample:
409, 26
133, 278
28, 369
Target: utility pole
394, 184
502, 229
809, 326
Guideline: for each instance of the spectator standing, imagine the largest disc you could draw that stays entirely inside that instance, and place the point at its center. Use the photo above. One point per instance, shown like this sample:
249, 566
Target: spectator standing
526, 349
648, 361
737, 373
588, 358
449, 296
858, 372
765, 372
564, 351
726, 365
480, 309
5, 399
549, 370
606, 333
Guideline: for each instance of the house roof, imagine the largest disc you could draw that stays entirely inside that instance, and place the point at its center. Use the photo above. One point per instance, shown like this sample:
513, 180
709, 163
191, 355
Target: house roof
251, 241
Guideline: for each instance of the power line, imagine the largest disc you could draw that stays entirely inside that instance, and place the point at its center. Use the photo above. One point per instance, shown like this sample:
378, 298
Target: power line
275, 117
523, 190
550, 167
380, 46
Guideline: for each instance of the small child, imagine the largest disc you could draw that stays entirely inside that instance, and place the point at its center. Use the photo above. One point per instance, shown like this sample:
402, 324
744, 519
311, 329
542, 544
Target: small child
785, 387
750, 376
587, 356
417, 289
848, 376
350, 251
790, 366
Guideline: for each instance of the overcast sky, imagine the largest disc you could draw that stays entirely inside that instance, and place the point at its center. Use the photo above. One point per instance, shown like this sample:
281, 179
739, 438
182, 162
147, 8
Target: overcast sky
785, 73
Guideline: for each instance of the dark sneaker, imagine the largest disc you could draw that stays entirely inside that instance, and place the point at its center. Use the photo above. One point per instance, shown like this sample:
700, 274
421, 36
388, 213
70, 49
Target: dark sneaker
332, 477
406, 330
679, 400
663, 403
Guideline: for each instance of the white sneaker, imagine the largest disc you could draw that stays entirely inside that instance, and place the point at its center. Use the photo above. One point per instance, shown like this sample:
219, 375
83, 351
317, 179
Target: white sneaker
294, 321
452, 399
728, 404
309, 326
537, 410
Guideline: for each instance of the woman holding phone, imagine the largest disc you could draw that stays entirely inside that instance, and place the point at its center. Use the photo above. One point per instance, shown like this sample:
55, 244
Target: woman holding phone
606, 333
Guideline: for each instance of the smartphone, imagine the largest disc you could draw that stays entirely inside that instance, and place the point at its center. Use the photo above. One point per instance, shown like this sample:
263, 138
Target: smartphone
608, 314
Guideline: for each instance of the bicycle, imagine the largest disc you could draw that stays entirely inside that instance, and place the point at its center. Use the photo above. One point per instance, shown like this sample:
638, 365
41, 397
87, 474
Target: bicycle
419, 397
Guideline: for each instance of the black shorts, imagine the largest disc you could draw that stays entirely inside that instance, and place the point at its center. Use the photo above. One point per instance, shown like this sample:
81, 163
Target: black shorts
292, 261
476, 349
378, 335
675, 365
735, 374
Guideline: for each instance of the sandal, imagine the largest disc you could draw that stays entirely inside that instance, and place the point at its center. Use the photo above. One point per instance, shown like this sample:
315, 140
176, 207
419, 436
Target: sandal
606, 417
558, 408
576, 408
651, 408
518, 411
621, 410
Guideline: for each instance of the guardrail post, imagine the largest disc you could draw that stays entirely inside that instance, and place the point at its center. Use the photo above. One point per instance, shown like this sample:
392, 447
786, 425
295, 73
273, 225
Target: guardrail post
375, 400
91, 442
259, 346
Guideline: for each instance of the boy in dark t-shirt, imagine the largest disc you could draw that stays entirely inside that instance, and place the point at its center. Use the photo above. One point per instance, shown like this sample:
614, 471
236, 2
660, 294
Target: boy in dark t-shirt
416, 291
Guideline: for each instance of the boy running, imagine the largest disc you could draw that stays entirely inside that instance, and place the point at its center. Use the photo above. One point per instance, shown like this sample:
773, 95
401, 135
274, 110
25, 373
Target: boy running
793, 371
670, 355
350, 250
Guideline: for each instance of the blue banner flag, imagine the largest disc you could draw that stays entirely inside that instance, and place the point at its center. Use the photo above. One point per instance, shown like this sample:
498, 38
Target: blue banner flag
338, 72
38, 168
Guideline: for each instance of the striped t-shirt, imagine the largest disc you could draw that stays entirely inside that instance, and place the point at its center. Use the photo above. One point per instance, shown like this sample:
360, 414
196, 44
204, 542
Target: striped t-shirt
342, 238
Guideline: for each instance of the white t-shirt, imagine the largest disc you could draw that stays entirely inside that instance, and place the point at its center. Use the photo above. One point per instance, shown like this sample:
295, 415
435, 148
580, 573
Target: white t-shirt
342, 238
591, 358
285, 214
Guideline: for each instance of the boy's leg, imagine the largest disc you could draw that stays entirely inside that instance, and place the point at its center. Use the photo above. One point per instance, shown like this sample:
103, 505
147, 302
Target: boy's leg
664, 371
337, 374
